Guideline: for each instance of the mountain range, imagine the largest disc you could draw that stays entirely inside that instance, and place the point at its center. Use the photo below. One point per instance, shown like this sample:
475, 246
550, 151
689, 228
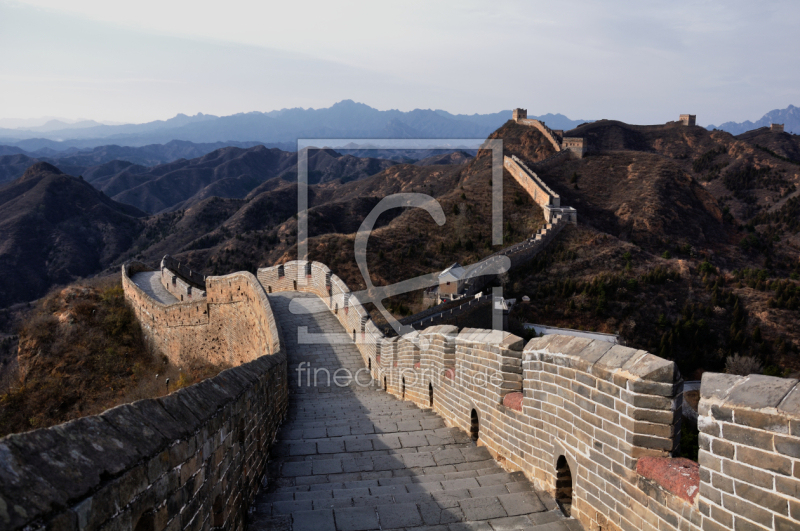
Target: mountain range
346, 119
693, 292
230, 172
790, 117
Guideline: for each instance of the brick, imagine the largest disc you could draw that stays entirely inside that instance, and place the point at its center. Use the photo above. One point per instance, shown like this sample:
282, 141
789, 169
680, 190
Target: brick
763, 498
748, 510
764, 460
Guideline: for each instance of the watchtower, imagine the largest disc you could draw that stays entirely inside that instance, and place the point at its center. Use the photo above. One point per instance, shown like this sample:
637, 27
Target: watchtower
776, 128
576, 145
519, 114
688, 119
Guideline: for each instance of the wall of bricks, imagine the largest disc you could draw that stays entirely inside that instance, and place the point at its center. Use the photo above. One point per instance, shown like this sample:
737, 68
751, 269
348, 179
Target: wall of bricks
749, 452
233, 324
546, 131
192, 460
539, 192
611, 412
178, 287
194, 277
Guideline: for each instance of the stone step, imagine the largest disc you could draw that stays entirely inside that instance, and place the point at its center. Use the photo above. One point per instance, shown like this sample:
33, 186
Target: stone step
469, 479
456, 489
493, 513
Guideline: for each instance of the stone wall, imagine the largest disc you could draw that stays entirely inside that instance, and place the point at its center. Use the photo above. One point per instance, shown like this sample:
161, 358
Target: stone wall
178, 287
601, 417
192, 277
554, 139
193, 459
230, 325
776, 128
749, 452
539, 192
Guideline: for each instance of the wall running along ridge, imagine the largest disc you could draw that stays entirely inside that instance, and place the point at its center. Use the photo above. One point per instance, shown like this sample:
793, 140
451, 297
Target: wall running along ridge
549, 134
193, 459
612, 413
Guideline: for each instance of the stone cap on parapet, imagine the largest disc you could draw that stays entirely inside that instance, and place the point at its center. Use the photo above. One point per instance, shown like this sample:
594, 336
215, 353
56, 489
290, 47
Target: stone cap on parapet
51, 468
781, 396
450, 331
495, 338
602, 359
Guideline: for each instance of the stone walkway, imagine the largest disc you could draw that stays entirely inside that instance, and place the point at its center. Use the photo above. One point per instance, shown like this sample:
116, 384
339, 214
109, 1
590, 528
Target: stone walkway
150, 283
355, 459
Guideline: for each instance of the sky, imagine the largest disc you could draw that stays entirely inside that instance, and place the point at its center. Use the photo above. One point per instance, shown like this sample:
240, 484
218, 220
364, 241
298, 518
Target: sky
639, 61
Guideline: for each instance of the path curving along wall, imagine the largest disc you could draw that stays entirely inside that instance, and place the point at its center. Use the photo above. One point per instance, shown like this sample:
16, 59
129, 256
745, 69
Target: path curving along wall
193, 459
594, 424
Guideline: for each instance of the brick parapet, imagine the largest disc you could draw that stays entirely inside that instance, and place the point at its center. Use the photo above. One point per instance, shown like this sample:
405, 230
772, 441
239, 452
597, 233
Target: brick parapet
193, 459
232, 324
179, 288
189, 276
750, 451
554, 139
530, 182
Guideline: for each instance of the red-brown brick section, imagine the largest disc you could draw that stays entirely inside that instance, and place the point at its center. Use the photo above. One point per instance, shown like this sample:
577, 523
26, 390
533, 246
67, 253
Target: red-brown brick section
513, 401
679, 476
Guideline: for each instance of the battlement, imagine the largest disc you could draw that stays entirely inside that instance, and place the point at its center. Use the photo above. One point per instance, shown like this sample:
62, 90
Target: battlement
688, 119
519, 114
776, 128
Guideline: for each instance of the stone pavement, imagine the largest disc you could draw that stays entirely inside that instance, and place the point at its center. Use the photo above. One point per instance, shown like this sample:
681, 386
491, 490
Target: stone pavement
355, 459
150, 283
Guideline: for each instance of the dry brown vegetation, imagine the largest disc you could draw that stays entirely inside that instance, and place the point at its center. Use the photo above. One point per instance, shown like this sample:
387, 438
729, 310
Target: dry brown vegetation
81, 351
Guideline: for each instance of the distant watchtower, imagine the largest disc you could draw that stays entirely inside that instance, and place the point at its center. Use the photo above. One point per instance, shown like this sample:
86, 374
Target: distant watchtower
519, 114
688, 119
576, 145
776, 128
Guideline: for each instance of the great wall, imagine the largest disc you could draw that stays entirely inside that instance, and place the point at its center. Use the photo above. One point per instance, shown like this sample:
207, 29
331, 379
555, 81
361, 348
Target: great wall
468, 429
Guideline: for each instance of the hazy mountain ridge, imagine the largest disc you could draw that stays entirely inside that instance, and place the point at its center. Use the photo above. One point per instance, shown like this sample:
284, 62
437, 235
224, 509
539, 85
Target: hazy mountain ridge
346, 119
790, 117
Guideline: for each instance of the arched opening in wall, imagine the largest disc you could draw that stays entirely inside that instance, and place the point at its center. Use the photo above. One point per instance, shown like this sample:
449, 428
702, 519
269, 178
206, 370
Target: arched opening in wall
269, 288
369, 364
218, 512
385, 384
294, 283
564, 486
474, 427
430, 394
146, 522
403, 389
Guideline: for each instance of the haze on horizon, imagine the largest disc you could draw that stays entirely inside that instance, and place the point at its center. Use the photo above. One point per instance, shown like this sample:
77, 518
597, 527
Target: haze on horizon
641, 62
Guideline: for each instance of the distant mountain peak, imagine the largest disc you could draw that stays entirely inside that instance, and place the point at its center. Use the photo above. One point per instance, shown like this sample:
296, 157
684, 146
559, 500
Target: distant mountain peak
40, 167
790, 117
